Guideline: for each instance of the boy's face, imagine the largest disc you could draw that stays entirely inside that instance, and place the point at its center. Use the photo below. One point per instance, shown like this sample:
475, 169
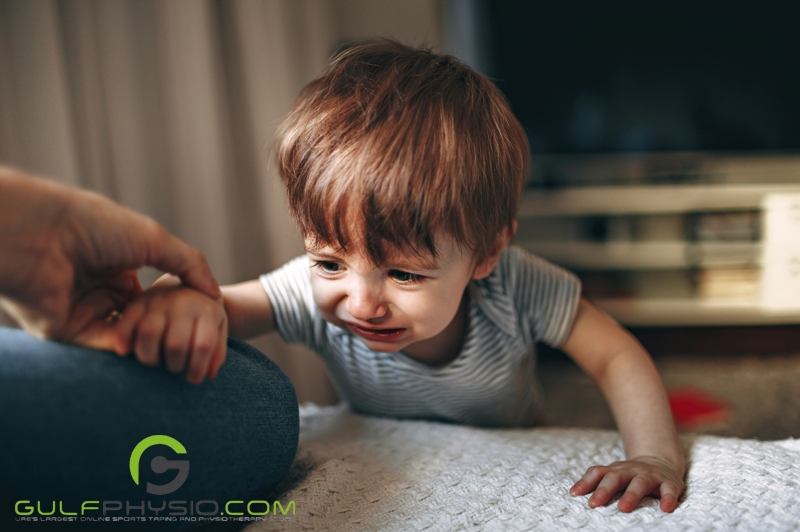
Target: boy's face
406, 305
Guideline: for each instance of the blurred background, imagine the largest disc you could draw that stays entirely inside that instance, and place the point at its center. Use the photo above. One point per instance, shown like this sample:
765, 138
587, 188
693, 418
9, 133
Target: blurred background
170, 107
665, 138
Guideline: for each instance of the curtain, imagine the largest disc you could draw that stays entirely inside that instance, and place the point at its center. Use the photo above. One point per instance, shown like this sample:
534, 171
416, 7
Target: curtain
170, 108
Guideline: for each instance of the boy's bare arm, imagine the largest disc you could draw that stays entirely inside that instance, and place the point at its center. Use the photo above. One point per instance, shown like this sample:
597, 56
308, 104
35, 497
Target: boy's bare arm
249, 310
633, 388
247, 306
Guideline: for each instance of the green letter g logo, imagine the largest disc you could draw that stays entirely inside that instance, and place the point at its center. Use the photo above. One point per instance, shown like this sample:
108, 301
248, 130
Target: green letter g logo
159, 464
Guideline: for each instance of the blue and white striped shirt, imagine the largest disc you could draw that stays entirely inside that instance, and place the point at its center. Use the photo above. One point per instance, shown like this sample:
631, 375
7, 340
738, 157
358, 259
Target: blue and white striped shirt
492, 382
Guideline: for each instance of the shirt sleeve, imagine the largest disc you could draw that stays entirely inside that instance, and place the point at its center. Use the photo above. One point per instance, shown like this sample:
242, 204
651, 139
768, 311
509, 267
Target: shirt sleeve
289, 291
546, 296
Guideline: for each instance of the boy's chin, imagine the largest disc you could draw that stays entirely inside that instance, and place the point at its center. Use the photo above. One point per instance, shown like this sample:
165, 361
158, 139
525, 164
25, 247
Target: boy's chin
385, 347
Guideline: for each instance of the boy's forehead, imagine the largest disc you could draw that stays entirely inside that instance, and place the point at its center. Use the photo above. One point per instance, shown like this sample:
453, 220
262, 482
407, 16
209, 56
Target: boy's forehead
421, 259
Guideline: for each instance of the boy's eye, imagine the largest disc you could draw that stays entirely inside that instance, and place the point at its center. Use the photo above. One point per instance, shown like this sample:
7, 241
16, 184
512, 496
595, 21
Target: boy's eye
405, 277
327, 266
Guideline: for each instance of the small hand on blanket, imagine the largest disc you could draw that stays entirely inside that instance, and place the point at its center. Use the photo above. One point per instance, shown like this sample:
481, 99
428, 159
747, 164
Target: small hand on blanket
638, 477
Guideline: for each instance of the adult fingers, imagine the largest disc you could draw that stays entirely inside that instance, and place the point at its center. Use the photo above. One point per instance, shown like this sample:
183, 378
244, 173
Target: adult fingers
90, 310
127, 324
103, 235
90, 307
122, 281
171, 255
98, 335
639, 487
88, 326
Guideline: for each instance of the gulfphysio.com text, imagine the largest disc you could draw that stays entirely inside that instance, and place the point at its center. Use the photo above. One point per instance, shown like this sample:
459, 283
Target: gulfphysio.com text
127, 511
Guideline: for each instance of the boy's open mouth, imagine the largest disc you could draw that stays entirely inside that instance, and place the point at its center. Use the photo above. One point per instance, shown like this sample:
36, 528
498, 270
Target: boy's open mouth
376, 334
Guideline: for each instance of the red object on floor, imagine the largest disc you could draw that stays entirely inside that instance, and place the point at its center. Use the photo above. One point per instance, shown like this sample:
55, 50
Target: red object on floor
693, 408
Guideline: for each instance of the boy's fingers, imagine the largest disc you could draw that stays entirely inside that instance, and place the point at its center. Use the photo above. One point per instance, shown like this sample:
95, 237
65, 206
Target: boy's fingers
221, 352
639, 487
589, 480
607, 481
669, 496
610, 485
206, 339
147, 344
177, 343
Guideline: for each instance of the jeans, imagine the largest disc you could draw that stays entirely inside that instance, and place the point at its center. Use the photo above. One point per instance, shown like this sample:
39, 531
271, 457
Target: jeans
71, 419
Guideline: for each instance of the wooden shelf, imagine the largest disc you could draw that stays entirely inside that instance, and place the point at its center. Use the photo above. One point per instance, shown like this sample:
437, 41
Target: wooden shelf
647, 241
696, 312
654, 199
663, 255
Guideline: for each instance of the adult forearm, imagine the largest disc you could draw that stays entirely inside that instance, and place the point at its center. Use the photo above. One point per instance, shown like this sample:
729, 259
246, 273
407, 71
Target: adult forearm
29, 212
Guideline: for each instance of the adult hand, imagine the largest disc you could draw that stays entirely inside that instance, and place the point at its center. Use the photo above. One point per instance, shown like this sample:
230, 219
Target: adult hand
58, 244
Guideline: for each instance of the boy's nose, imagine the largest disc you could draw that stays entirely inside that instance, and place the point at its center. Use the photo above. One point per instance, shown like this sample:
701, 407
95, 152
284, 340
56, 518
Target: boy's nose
364, 302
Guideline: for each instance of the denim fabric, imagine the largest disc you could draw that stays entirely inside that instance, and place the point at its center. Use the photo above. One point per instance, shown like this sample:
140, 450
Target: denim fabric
70, 418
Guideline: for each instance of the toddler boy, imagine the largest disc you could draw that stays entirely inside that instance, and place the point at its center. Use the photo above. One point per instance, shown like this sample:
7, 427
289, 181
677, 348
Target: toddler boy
404, 170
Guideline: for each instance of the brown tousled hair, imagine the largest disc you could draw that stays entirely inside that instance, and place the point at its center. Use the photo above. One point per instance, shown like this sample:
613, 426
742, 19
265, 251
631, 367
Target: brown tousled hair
392, 145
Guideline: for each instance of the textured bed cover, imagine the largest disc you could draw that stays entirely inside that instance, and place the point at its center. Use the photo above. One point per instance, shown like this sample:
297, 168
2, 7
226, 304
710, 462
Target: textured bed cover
362, 473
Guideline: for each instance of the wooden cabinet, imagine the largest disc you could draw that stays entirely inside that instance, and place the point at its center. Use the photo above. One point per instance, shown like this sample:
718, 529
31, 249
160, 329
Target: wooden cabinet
672, 239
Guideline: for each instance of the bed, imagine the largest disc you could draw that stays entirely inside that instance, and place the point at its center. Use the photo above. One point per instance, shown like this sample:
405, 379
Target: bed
362, 473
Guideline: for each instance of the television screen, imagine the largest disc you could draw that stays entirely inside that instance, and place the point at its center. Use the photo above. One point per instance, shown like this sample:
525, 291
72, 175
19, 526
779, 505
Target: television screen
633, 76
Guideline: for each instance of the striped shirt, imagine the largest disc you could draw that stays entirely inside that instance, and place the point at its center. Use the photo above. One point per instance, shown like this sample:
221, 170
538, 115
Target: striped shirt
492, 382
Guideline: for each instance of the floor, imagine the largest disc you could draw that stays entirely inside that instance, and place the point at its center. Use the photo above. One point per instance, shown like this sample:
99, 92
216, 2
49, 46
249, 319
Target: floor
762, 392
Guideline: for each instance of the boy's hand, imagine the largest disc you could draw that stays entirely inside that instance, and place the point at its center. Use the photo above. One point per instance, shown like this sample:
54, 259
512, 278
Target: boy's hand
641, 476
180, 326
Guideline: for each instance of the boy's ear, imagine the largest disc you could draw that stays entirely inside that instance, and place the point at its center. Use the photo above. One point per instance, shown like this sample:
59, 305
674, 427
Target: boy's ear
487, 265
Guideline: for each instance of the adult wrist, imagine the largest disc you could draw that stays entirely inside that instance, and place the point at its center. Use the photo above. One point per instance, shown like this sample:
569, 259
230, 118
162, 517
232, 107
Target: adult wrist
30, 208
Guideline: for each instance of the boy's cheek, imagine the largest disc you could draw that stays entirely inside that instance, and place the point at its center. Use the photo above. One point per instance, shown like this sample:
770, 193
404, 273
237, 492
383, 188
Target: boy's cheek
326, 303
330, 317
429, 309
324, 292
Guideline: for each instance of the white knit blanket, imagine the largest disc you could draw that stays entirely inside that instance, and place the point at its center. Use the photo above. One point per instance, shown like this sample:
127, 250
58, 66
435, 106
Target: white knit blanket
362, 473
